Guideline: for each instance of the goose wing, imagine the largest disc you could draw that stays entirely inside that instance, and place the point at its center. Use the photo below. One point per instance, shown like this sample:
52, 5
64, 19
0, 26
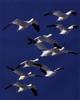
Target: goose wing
34, 90
36, 26
44, 69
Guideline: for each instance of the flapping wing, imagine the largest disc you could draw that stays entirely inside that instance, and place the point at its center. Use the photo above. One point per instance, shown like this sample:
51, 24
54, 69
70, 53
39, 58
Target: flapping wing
36, 26
34, 90
44, 69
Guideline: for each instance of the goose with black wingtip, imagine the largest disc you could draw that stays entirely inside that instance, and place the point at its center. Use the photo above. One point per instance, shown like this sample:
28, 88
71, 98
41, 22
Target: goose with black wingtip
40, 40
23, 76
24, 24
61, 15
64, 30
23, 87
56, 51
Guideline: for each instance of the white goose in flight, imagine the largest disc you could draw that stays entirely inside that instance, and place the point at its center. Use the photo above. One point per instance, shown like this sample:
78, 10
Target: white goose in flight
64, 30
21, 75
40, 40
61, 15
56, 51
43, 68
23, 87
24, 24
48, 72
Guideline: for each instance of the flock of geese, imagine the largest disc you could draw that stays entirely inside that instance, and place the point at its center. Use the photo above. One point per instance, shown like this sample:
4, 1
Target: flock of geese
39, 42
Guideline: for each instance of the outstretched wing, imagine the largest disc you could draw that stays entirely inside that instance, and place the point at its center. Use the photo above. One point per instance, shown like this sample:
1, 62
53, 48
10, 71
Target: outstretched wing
34, 90
36, 26
44, 69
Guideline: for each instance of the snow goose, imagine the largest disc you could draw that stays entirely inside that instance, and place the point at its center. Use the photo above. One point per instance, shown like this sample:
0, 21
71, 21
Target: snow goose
24, 24
64, 30
21, 75
40, 40
56, 51
43, 68
23, 87
61, 15
48, 72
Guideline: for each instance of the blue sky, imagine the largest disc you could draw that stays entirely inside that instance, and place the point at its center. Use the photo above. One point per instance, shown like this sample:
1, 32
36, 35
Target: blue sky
14, 49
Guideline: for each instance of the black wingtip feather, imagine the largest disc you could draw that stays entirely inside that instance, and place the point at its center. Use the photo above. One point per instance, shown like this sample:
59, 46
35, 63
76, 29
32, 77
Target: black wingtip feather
34, 91
37, 28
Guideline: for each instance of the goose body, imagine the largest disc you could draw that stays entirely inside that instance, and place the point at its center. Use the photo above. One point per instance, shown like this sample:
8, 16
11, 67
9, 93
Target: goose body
44, 69
23, 87
48, 72
24, 24
40, 40
61, 15
64, 30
